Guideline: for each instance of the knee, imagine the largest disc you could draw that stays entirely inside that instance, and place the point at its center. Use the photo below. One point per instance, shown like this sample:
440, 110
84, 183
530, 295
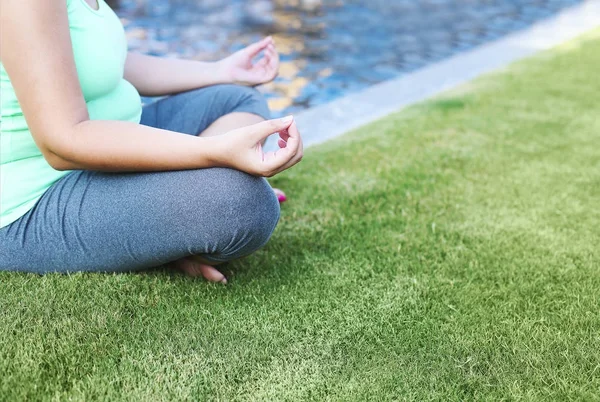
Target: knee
245, 99
248, 212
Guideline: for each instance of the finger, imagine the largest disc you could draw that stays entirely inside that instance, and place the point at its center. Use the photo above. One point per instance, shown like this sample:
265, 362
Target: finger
287, 156
273, 59
269, 71
292, 142
293, 131
265, 60
255, 48
299, 152
274, 161
259, 131
291, 162
284, 135
262, 63
270, 55
271, 49
272, 52
281, 143
284, 157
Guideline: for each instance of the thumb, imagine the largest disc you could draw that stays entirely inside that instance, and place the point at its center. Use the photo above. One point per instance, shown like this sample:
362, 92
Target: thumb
262, 130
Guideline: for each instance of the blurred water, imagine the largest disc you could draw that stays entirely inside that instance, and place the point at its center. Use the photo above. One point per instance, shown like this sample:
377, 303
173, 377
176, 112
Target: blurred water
329, 48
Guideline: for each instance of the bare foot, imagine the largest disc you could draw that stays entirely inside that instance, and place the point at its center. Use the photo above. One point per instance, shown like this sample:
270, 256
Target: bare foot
195, 269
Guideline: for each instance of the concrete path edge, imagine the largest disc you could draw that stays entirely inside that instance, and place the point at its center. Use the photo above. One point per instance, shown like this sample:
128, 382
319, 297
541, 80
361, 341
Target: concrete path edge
330, 120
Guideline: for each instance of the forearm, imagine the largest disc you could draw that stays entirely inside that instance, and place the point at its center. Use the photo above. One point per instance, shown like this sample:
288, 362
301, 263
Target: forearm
124, 146
157, 76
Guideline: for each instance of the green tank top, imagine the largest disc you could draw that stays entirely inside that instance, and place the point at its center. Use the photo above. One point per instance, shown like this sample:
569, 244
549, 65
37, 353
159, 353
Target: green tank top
100, 50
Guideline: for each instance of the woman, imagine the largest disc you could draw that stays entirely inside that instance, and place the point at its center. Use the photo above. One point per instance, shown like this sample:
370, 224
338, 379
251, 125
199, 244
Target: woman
91, 182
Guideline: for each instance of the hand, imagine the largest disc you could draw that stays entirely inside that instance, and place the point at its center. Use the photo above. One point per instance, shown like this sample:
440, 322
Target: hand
242, 148
239, 68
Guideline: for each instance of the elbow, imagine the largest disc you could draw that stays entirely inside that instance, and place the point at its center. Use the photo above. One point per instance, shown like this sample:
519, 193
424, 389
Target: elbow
56, 162
63, 148
52, 147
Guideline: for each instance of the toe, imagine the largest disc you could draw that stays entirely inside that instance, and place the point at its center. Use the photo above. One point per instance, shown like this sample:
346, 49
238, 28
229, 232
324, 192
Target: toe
195, 269
280, 195
212, 274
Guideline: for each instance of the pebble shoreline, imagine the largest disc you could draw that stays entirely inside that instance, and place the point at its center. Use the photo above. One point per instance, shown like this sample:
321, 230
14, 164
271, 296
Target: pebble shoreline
329, 48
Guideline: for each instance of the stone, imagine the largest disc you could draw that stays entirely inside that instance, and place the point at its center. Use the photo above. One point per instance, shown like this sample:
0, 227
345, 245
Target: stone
329, 48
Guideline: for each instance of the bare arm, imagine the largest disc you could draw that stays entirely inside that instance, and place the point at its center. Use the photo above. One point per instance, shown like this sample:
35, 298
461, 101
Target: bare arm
156, 76
35, 49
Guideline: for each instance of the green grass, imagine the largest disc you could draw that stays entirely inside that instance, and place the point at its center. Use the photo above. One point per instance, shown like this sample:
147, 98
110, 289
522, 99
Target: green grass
447, 252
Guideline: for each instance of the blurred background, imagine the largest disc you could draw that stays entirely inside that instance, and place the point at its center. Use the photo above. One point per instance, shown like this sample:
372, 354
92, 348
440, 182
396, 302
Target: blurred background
329, 48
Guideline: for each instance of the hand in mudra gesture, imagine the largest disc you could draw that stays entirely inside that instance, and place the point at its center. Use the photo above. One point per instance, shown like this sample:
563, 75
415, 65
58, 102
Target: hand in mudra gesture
242, 148
240, 68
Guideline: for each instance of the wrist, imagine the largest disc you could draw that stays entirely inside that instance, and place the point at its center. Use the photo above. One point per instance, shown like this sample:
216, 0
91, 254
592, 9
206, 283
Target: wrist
223, 72
212, 150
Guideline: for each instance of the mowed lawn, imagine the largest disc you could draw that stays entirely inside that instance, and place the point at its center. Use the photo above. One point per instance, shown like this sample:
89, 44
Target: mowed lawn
448, 252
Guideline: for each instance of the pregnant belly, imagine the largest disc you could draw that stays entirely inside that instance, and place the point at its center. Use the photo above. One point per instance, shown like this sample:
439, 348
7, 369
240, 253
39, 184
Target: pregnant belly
122, 103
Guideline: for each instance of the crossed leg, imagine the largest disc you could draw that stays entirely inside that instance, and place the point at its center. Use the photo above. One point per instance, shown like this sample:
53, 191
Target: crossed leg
208, 112
196, 266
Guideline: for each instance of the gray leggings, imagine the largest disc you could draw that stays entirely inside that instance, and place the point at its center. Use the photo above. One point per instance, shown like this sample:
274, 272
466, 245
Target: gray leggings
112, 222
